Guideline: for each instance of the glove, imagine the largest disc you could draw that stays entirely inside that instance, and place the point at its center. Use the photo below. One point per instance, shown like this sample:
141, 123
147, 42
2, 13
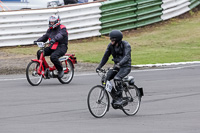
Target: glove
116, 66
98, 69
52, 41
35, 42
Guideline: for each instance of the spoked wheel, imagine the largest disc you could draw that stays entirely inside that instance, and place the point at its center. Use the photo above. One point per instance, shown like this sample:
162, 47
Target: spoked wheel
69, 72
134, 99
98, 101
31, 73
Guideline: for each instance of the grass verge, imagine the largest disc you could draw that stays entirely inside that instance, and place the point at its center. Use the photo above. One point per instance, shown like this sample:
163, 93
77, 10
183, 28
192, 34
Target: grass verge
175, 40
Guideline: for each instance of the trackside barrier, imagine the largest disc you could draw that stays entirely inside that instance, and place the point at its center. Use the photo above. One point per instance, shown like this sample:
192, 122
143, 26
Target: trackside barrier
81, 21
91, 19
148, 12
23, 27
129, 14
194, 3
173, 8
118, 14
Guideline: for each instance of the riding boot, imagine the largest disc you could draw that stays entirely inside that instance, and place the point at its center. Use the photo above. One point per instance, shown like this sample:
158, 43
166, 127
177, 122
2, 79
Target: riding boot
118, 95
60, 74
119, 100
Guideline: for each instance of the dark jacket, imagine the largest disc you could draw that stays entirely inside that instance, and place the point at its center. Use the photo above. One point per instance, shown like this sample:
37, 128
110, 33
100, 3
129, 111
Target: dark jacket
60, 35
121, 54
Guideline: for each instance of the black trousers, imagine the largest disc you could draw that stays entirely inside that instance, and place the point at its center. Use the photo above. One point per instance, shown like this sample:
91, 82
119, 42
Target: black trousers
55, 55
118, 74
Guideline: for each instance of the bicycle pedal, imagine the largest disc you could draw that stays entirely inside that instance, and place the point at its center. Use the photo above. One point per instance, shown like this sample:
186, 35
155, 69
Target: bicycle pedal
116, 106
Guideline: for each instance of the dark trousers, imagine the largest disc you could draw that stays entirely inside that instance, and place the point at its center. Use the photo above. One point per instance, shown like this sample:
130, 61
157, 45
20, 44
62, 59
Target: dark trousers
118, 75
55, 55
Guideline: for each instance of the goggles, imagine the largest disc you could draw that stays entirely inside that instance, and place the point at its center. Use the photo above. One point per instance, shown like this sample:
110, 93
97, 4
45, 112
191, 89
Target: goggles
113, 39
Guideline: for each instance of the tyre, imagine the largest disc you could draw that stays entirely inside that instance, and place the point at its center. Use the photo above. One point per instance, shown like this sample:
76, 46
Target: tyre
31, 73
134, 99
98, 101
68, 75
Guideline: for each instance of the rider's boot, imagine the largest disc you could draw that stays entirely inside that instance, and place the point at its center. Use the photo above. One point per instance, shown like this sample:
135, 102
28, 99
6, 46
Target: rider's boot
119, 99
60, 74
47, 73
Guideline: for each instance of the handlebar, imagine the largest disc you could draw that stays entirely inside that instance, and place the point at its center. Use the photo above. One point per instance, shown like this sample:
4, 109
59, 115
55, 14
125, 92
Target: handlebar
101, 71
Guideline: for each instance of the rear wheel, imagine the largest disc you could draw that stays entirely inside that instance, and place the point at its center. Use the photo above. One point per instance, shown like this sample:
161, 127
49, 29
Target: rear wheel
134, 99
69, 72
31, 73
98, 101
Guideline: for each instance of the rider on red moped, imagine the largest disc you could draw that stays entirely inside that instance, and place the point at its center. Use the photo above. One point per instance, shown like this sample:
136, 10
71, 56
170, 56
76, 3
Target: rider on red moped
58, 40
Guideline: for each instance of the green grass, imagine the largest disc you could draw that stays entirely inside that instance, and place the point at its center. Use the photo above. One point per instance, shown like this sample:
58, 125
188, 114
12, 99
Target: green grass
177, 40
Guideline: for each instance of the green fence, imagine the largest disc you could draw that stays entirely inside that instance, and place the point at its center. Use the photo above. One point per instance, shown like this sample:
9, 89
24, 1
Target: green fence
129, 14
118, 14
148, 12
194, 3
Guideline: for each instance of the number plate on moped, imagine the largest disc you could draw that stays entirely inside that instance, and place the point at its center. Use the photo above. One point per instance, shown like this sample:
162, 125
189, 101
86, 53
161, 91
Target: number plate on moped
108, 86
40, 44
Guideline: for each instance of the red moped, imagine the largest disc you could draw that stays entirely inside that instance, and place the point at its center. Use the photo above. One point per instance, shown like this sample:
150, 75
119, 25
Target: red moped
40, 69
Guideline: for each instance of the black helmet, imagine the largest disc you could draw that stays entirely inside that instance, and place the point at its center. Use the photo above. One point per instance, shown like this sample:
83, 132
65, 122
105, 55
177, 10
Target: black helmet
55, 19
116, 35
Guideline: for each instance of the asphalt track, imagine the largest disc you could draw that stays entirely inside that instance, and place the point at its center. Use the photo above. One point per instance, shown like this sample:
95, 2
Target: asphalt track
171, 104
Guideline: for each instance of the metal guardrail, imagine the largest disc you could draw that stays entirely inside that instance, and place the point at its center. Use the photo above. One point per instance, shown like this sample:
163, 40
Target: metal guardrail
194, 3
148, 12
87, 20
81, 21
129, 14
23, 27
173, 8
119, 14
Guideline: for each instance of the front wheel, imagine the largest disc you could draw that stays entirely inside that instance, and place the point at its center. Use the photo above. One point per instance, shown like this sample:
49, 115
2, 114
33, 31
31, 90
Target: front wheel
31, 73
98, 101
133, 97
68, 72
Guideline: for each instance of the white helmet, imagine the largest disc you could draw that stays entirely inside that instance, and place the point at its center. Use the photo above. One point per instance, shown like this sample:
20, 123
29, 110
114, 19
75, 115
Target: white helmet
55, 19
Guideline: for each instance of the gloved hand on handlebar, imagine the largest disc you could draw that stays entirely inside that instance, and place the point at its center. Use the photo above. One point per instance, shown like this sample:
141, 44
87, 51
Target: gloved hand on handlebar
52, 41
35, 42
98, 69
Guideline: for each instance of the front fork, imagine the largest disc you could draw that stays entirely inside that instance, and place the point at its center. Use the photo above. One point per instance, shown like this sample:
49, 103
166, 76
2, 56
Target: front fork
40, 69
